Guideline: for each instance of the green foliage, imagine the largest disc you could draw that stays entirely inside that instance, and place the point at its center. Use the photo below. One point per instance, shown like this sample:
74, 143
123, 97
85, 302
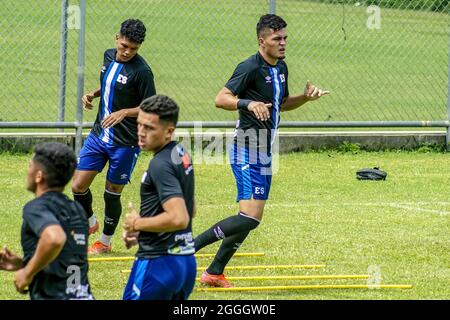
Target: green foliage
348, 147
430, 147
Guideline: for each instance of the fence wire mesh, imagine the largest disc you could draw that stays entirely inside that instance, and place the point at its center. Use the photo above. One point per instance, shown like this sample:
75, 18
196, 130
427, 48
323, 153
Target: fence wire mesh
30, 37
382, 60
380, 63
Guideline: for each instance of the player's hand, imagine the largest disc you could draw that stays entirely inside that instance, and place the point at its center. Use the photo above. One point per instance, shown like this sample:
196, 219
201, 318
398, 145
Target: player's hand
312, 92
260, 109
113, 119
130, 218
9, 261
87, 101
22, 280
130, 238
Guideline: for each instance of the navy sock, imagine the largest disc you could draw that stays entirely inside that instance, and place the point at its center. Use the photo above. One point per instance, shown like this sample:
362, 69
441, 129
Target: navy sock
113, 210
227, 249
85, 199
226, 228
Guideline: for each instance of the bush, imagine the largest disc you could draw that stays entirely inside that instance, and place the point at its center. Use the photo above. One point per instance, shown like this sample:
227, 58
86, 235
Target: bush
348, 147
430, 148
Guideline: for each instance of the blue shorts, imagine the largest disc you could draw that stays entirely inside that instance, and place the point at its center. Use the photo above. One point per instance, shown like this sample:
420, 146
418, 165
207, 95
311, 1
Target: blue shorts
95, 153
252, 173
167, 277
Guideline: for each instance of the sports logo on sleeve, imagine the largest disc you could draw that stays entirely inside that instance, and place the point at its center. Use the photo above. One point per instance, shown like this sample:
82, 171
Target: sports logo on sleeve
185, 159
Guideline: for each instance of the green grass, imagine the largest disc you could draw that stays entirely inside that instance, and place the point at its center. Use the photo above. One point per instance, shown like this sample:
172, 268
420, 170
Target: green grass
318, 213
398, 72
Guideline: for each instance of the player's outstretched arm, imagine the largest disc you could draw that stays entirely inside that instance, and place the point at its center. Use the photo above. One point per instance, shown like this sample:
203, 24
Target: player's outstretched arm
310, 93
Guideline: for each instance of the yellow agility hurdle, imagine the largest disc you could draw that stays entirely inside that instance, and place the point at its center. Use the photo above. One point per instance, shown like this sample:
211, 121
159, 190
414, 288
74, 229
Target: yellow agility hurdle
311, 277
289, 266
198, 255
318, 286
275, 266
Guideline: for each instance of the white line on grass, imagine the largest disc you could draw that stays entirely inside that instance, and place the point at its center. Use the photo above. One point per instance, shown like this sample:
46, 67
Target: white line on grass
411, 206
440, 212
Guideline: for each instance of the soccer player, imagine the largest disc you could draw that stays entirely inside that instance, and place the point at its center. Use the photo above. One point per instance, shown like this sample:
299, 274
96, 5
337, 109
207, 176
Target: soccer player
258, 89
125, 80
54, 232
165, 266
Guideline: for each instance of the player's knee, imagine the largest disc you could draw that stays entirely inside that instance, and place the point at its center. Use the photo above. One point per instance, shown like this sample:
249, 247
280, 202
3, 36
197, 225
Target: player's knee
114, 188
78, 188
249, 221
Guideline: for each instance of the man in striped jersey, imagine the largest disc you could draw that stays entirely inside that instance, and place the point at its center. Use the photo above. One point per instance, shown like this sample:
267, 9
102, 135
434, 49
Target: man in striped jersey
125, 80
258, 89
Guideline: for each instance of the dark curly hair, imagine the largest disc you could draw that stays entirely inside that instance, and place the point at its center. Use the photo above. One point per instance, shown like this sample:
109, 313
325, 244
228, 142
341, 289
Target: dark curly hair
163, 106
57, 161
134, 30
269, 21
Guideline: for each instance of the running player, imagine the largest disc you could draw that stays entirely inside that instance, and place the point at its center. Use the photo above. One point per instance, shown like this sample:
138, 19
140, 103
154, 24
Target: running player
125, 80
258, 89
54, 232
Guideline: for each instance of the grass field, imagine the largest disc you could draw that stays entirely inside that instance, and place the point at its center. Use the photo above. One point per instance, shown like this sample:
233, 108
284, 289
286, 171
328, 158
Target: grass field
318, 213
398, 72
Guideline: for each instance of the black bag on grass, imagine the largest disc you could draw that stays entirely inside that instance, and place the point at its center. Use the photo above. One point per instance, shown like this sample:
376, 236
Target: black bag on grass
371, 174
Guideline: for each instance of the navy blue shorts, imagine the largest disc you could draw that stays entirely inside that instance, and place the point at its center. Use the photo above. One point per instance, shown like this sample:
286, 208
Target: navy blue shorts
95, 153
252, 173
167, 277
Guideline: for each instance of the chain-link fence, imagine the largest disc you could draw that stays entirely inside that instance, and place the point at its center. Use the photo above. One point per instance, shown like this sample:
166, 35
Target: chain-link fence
382, 60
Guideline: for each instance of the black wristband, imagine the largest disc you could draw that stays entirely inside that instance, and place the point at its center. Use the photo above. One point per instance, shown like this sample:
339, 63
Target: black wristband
242, 104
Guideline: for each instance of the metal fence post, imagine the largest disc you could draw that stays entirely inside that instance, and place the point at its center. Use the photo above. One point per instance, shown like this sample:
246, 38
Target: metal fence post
272, 4
447, 136
80, 73
62, 63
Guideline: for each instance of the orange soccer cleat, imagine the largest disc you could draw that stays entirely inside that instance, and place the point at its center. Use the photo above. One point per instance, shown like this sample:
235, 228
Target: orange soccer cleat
215, 280
98, 247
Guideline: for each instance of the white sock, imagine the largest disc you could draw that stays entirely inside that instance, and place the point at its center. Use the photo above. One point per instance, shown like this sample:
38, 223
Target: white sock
106, 240
92, 220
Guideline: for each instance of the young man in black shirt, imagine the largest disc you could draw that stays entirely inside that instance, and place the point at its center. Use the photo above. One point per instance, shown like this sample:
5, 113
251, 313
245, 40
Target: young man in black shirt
125, 80
258, 89
54, 232
165, 266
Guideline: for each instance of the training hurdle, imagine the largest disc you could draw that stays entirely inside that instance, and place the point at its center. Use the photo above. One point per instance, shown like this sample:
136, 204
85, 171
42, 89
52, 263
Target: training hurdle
289, 266
311, 277
308, 287
198, 255
274, 266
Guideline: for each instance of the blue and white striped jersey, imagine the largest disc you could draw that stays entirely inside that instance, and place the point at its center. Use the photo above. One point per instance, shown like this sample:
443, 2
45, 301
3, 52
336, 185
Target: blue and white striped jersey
123, 85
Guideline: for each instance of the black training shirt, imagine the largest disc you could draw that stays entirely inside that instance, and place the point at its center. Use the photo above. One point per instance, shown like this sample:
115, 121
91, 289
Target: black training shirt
169, 174
66, 276
256, 80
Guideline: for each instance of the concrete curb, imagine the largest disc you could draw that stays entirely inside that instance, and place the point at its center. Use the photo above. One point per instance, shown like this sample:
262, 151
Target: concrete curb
289, 141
